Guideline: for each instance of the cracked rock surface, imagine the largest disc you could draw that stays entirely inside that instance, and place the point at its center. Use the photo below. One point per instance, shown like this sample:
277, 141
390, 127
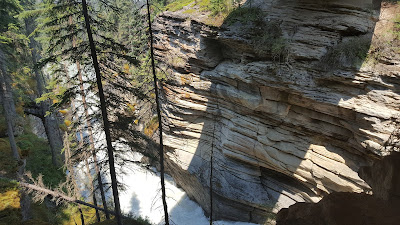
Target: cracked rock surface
283, 126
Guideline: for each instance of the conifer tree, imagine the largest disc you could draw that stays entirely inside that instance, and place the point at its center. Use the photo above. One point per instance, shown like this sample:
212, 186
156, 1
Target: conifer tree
104, 61
104, 113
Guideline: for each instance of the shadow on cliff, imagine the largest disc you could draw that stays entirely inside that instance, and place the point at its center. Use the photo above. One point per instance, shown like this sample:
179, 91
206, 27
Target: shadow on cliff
272, 115
381, 208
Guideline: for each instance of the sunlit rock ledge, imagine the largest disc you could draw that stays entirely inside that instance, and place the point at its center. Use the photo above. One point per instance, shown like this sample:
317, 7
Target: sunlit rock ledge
285, 127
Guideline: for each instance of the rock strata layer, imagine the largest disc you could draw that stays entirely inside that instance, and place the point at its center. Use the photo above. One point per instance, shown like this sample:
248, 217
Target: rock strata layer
289, 104
339, 208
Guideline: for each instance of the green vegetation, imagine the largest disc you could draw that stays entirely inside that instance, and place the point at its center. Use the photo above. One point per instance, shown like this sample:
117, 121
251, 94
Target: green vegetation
270, 43
9, 166
73, 216
9, 207
396, 27
350, 53
364, 50
204, 4
189, 11
9, 194
39, 160
177, 5
59, 32
245, 15
219, 6
36, 151
216, 7
265, 36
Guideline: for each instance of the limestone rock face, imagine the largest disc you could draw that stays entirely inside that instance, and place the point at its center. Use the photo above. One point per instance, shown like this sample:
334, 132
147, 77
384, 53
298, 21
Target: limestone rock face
288, 104
354, 208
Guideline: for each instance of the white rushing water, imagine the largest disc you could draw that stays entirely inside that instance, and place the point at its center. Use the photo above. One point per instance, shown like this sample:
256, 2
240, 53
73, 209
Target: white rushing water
142, 197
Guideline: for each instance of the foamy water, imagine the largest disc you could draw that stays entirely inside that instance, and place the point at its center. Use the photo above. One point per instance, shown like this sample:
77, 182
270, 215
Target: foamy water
142, 197
142, 194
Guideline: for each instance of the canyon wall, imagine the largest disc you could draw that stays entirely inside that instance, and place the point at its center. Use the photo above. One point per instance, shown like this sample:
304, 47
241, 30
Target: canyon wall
289, 99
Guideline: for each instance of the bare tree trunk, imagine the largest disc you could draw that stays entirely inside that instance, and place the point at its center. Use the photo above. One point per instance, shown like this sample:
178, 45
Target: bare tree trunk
54, 138
93, 191
211, 174
91, 139
161, 150
104, 115
211, 178
70, 168
25, 203
100, 183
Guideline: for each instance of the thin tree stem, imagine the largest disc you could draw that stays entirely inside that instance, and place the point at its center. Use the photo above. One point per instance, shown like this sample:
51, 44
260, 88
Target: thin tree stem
211, 173
104, 114
161, 150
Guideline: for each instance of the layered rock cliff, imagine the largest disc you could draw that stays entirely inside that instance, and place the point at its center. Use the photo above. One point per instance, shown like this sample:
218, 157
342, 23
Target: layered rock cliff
290, 98
380, 208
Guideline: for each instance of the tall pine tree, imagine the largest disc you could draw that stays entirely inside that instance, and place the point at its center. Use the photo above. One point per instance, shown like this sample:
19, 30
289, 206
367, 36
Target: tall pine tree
89, 41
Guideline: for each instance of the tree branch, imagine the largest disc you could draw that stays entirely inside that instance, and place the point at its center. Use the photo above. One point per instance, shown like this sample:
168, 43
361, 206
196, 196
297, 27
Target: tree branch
34, 110
58, 195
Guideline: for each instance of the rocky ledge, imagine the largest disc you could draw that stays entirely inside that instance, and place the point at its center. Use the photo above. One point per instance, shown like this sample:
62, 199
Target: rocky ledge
339, 208
289, 99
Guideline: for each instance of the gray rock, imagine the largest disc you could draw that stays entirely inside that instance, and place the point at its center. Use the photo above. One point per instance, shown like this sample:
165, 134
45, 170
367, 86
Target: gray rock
283, 127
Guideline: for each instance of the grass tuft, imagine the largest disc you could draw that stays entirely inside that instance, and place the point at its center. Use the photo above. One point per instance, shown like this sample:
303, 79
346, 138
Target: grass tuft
245, 15
350, 53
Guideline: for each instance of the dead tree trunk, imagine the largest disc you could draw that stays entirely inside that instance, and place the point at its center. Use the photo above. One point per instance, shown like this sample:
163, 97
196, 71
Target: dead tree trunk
54, 137
92, 189
91, 184
69, 166
91, 140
